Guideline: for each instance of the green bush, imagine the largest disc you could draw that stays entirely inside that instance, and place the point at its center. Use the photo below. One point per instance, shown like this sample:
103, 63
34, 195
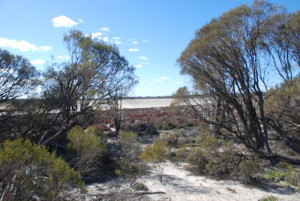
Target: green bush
218, 158
130, 165
182, 153
292, 177
166, 125
28, 170
137, 186
173, 138
269, 198
250, 166
157, 154
86, 151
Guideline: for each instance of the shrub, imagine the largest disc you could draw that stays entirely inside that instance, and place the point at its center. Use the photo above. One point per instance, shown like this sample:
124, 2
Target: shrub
249, 167
285, 165
172, 138
166, 125
218, 158
269, 198
130, 166
29, 171
292, 177
146, 129
182, 153
137, 186
86, 151
157, 154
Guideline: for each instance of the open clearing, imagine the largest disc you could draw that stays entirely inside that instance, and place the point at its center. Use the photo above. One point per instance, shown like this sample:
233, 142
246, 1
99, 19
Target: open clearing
180, 185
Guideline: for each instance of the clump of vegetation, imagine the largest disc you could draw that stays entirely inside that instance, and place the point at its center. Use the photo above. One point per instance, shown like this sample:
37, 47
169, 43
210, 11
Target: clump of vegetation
86, 150
269, 198
167, 125
137, 186
157, 154
285, 173
30, 172
219, 159
130, 166
182, 153
174, 139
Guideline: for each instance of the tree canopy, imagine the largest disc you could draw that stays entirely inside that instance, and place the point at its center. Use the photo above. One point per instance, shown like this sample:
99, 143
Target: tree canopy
231, 60
95, 71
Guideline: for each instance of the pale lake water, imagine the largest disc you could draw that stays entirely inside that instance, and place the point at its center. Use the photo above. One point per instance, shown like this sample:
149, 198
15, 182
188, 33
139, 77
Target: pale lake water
131, 103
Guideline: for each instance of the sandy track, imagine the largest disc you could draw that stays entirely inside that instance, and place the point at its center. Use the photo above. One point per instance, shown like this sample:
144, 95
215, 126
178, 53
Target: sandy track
181, 185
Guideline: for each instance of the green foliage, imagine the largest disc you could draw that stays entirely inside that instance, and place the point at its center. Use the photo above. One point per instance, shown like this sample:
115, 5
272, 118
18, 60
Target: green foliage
137, 186
222, 68
28, 170
86, 150
250, 166
85, 141
285, 165
130, 166
174, 139
157, 154
167, 125
142, 129
128, 137
269, 198
291, 177
282, 105
182, 153
18, 76
219, 159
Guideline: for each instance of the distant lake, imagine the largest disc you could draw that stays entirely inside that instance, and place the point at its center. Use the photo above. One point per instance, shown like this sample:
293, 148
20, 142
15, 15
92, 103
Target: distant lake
131, 103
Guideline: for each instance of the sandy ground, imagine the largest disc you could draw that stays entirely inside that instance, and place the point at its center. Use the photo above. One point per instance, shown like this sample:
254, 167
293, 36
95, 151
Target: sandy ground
180, 185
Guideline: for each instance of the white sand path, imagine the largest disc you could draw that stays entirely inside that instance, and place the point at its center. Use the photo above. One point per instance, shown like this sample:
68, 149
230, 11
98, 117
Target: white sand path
181, 185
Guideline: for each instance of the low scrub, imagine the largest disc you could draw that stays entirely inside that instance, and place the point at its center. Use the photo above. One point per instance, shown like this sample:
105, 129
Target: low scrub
86, 151
30, 172
157, 154
130, 165
268, 198
217, 158
285, 173
173, 138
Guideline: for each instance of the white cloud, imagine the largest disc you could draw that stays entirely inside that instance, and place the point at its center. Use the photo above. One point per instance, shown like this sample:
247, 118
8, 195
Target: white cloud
139, 66
37, 61
133, 50
80, 20
63, 21
178, 82
117, 38
22, 45
105, 39
145, 41
164, 78
117, 42
96, 35
105, 29
144, 58
161, 79
135, 42
63, 57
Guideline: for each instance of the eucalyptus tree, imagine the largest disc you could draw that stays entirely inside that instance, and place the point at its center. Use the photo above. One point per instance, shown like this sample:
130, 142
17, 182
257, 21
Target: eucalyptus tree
77, 87
231, 60
18, 78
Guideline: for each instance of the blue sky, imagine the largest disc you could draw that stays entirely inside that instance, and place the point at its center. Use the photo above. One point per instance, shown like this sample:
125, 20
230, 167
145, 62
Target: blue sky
151, 34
